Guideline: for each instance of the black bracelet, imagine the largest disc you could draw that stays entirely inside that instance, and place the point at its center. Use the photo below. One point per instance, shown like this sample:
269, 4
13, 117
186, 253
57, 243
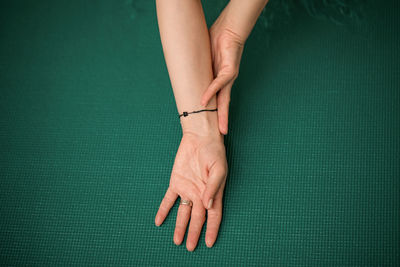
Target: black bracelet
197, 111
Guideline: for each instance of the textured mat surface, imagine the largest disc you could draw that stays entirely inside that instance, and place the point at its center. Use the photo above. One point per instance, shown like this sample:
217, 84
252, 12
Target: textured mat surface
89, 131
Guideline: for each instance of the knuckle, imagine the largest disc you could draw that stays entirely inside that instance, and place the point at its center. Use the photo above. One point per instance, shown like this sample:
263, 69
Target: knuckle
179, 228
227, 71
172, 187
217, 217
163, 209
231, 72
236, 73
198, 218
222, 169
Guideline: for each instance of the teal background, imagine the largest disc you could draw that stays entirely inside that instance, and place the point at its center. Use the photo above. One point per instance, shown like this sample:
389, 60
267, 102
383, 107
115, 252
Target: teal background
89, 132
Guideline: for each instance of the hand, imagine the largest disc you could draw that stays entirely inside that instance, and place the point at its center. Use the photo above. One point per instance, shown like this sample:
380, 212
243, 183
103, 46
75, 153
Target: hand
199, 174
227, 48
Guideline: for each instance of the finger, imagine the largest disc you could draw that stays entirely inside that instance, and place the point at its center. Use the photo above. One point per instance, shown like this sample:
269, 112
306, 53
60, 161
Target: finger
219, 82
223, 101
217, 176
214, 217
166, 204
182, 220
197, 220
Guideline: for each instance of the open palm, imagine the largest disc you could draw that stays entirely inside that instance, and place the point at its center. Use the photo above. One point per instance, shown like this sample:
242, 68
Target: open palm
199, 174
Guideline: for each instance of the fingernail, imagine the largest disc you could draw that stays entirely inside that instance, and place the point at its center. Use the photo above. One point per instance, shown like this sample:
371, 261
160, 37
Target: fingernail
190, 247
210, 204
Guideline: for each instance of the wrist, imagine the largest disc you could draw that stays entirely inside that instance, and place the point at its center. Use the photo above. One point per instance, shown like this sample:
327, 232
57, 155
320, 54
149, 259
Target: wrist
241, 16
232, 23
204, 123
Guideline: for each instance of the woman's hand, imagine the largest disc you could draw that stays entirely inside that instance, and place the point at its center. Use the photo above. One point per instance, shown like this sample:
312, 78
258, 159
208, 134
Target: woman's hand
227, 48
199, 174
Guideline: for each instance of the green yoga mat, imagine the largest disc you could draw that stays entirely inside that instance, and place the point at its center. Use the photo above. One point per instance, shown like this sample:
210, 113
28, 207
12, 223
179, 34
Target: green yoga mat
89, 131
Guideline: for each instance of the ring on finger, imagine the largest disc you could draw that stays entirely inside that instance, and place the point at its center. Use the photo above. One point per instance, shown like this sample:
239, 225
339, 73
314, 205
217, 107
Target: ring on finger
186, 202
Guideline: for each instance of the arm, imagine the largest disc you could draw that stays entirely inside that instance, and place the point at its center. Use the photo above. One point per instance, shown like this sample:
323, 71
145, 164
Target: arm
186, 46
200, 166
240, 16
228, 35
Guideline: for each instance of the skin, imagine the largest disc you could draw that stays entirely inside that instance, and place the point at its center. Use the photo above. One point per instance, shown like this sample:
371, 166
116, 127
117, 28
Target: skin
200, 167
193, 60
195, 157
228, 35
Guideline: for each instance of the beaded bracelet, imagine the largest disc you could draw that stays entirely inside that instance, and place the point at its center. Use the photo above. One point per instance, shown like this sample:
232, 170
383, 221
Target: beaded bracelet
197, 111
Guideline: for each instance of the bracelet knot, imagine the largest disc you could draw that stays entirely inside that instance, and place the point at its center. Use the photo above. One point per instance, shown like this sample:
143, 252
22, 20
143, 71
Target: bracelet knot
185, 113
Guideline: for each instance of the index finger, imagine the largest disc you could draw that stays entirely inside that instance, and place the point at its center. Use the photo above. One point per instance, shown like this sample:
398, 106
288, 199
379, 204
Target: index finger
218, 83
165, 206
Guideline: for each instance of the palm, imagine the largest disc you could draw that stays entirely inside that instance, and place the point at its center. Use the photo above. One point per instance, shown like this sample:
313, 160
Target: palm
192, 161
196, 160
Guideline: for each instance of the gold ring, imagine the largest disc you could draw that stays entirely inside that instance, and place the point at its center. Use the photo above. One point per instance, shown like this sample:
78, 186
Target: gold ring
186, 202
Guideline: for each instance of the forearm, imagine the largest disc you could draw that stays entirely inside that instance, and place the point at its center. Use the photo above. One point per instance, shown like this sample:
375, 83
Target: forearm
186, 46
240, 16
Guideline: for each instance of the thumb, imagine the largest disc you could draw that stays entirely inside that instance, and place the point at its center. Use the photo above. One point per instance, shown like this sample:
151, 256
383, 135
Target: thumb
216, 177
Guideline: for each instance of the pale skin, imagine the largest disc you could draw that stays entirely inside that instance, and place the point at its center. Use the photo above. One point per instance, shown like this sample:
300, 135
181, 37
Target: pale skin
228, 35
200, 167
